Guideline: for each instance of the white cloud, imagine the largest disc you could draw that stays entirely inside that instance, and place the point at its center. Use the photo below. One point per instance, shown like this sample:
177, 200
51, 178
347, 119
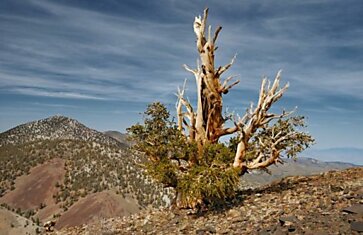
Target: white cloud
55, 94
108, 55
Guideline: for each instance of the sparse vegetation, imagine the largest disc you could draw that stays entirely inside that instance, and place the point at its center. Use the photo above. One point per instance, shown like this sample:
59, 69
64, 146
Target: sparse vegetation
88, 169
91, 165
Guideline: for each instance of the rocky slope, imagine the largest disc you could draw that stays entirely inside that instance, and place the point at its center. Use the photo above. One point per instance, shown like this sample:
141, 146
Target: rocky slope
52, 168
329, 203
54, 128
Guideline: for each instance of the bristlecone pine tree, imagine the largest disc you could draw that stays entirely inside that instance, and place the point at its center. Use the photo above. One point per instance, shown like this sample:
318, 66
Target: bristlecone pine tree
188, 156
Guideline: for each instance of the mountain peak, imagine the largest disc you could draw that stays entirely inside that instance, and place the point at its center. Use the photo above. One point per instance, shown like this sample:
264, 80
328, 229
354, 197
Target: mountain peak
58, 117
54, 127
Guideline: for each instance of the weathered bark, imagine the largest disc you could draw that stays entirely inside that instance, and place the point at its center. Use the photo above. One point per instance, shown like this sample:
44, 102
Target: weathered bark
206, 125
208, 118
259, 117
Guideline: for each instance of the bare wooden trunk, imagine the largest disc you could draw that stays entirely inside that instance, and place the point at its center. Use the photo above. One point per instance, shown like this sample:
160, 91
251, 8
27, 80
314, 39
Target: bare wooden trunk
206, 125
209, 119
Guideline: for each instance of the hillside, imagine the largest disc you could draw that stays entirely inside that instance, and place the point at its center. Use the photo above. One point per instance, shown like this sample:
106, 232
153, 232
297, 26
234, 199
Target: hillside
58, 169
329, 203
53, 168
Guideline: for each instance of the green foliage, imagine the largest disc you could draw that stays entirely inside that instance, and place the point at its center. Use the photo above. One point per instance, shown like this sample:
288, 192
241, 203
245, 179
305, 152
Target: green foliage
207, 185
217, 154
159, 137
174, 161
294, 140
164, 172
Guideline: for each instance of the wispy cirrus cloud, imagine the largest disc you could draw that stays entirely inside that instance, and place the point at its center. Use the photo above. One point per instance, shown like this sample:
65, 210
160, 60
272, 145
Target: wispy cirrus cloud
55, 94
99, 54
85, 50
67, 44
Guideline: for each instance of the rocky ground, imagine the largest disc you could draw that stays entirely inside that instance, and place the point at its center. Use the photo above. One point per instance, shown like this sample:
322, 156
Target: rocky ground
329, 203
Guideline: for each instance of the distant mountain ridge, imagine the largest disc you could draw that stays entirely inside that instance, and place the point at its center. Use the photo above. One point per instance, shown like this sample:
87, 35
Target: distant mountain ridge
302, 166
353, 155
52, 128
120, 137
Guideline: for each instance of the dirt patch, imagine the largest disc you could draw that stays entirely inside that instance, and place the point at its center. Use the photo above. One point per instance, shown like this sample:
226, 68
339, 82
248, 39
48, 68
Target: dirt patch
37, 187
105, 204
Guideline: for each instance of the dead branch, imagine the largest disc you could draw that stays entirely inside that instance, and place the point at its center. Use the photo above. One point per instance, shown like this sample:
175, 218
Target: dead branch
222, 69
256, 118
189, 114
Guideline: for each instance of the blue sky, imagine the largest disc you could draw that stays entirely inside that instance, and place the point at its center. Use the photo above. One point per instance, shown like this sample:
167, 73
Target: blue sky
102, 62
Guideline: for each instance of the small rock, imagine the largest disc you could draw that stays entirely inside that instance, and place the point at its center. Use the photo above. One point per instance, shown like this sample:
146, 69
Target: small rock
206, 229
336, 188
316, 232
234, 213
288, 220
279, 231
146, 220
147, 228
185, 227
238, 220
355, 208
271, 229
291, 228
334, 198
264, 233
357, 226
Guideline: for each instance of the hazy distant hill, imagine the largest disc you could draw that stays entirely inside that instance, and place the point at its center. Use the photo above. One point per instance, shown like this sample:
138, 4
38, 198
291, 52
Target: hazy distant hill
120, 137
353, 155
301, 166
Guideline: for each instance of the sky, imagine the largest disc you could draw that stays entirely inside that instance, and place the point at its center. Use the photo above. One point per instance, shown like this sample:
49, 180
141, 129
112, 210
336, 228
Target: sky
102, 62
